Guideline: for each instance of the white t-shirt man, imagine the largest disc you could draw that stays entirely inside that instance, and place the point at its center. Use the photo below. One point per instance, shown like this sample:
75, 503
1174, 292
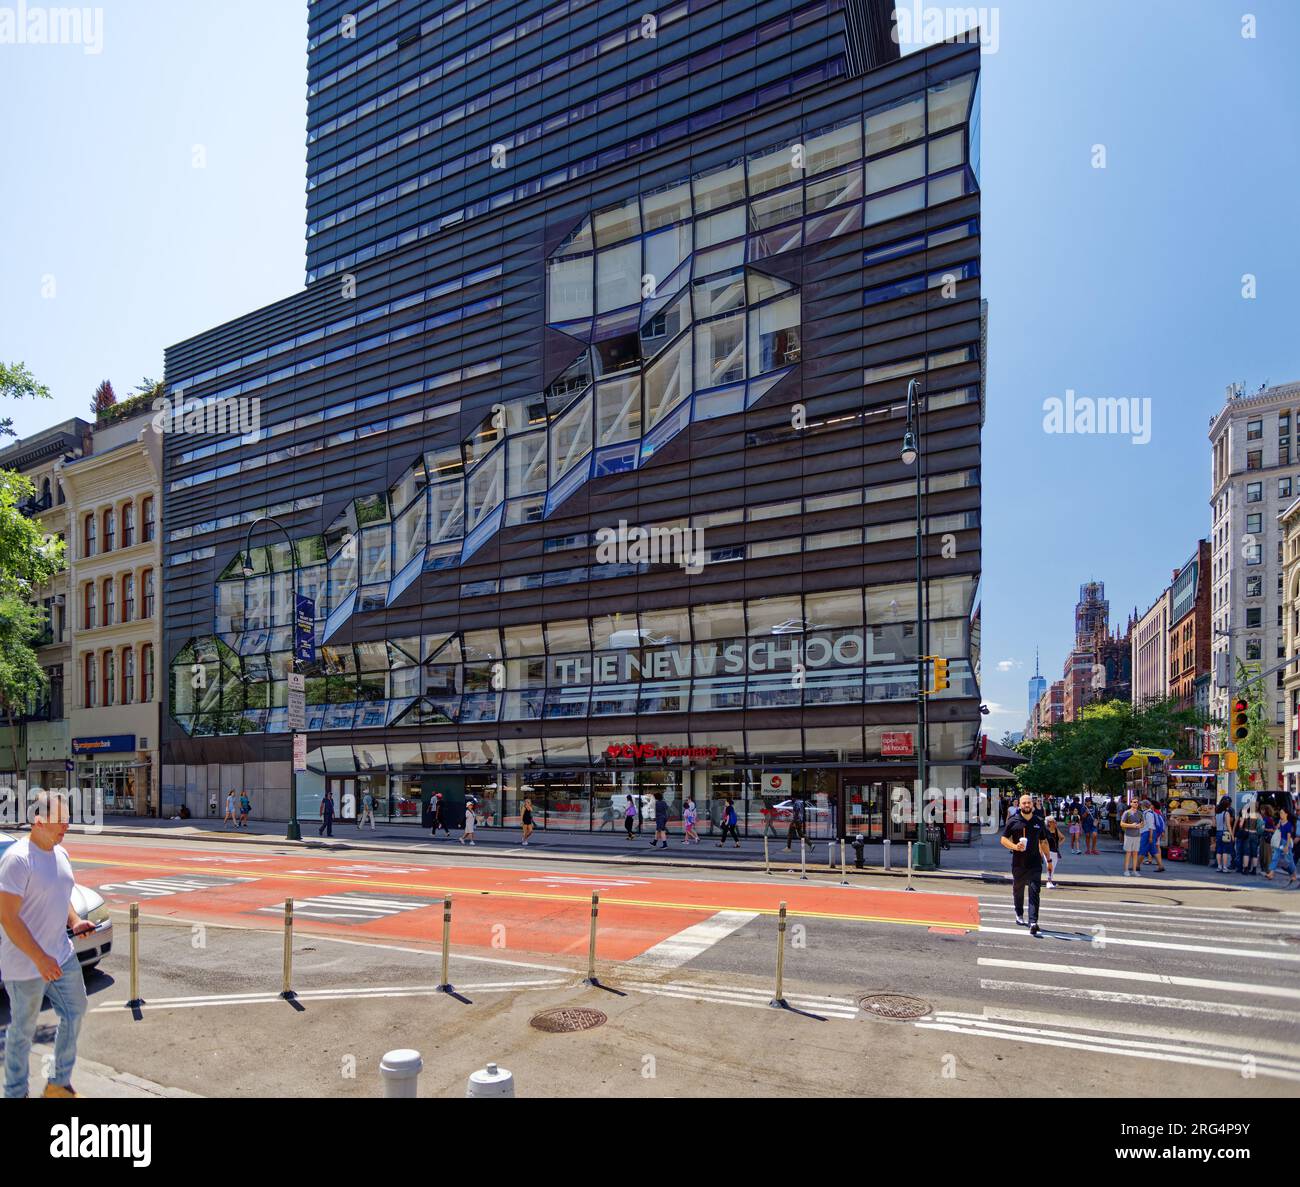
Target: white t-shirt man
43, 880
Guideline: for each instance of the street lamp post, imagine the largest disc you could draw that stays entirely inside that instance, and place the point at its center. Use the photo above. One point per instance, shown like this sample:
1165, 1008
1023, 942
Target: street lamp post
294, 831
911, 456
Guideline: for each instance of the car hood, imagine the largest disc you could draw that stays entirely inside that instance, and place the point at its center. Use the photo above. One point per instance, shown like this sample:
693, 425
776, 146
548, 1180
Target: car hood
85, 900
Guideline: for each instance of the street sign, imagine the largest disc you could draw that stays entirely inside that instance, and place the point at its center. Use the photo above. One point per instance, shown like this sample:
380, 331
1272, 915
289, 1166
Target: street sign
297, 710
304, 630
300, 752
297, 682
69, 765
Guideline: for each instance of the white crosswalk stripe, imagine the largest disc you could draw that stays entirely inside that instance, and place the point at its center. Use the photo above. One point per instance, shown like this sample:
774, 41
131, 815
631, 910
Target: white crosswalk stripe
1112, 940
1117, 974
758, 999
1078, 1038
1156, 1000
352, 907
693, 941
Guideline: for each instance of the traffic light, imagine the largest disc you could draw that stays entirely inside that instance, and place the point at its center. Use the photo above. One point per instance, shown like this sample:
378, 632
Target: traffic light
1240, 728
940, 673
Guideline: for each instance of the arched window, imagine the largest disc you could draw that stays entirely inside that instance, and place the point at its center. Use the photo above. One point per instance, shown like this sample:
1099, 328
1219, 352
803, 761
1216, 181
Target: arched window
148, 594
128, 597
110, 529
147, 517
146, 672
128, 675
46, 499
110, 679
88, 677
110, 601
88, 537
89, 612
128, 525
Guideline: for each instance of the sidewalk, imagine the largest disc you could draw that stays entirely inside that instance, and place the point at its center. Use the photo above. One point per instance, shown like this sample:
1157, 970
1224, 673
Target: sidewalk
984, 860
99, 1081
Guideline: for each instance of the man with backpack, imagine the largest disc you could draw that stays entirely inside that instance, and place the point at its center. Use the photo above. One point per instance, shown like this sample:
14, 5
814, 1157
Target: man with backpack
1153, 825
798, 818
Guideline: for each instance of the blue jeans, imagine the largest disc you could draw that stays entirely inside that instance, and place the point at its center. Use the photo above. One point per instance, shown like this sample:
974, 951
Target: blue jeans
1285, 860
68, 997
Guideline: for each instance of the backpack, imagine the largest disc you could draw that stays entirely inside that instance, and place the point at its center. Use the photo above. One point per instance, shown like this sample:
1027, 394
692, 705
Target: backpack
1160, 824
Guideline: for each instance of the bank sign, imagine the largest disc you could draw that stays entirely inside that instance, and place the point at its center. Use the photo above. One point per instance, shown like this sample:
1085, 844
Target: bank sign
112, 744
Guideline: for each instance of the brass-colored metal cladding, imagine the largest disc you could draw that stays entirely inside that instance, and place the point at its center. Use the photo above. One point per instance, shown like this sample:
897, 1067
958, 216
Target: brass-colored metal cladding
779, 998
135, 955
591, 947
287, 990
445, 983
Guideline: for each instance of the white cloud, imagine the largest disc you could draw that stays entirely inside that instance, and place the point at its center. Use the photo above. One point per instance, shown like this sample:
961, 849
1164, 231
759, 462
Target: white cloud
1009, 665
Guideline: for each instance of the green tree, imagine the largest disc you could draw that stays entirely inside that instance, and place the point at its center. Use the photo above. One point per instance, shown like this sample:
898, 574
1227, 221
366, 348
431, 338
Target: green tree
1252, 752
27, 559
18, 383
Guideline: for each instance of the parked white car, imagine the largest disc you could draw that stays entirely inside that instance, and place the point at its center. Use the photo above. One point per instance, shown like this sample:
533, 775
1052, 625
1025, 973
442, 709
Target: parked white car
89, 904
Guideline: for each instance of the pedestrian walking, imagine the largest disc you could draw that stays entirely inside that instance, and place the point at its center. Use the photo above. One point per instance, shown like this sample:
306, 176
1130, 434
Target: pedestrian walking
229, 818
1266, 826
526, 819
37, 957
1149, 838
1026, 837
1246, 841
798, 817
1076, 830
689, 816
367, 811
245, 807
440, 816
1283, 847
326, 816
1223, 834
1054, 839
1131, 825
1088, 822
661, 821
729, 823
471, 819
629, 816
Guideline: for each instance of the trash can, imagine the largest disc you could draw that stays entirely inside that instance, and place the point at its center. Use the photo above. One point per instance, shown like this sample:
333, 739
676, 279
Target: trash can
1198, 845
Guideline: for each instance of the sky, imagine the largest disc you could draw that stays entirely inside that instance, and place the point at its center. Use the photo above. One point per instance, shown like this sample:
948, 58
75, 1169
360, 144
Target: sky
1139, 161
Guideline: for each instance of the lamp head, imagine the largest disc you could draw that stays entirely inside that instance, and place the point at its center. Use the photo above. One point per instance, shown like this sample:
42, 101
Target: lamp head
909, 452
249, 571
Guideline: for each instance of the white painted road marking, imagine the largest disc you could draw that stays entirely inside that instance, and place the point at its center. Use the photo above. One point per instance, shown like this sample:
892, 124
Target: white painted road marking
1159, 1001
755, 999
1075, 970
692, 941
1112, 941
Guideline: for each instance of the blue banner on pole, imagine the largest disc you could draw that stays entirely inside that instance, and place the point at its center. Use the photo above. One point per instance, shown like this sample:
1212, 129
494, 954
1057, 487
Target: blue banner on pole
304, 630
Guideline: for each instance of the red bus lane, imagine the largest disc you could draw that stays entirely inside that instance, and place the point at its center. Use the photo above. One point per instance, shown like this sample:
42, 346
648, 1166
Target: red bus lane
528, 909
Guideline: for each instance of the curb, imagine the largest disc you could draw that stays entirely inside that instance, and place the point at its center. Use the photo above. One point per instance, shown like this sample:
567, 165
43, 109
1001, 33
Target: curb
380, 846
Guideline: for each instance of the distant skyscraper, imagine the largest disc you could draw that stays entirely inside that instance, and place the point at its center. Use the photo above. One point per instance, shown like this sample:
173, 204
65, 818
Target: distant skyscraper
1037, 685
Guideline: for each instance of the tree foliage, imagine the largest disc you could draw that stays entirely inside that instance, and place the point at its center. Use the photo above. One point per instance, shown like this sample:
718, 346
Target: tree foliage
105, 398
18, 383
1072, 758
1252, 751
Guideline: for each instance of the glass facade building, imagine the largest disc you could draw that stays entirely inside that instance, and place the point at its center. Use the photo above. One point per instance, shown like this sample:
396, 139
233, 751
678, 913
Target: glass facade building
587, 449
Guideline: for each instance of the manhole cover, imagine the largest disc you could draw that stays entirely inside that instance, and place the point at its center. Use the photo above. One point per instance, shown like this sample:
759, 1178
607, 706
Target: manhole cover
566, 1019
894, 1007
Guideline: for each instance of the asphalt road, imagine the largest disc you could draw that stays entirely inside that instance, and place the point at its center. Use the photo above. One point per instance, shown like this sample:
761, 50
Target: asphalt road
1131, 989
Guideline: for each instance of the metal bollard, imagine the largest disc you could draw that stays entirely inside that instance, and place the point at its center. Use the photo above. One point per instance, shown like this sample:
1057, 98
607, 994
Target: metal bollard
830, 854
767, 858
844, 864
591, 955
911, 849
491, 1081
445, 984
803, 859
287, 991
401, 1073
888, 866
779, 1000
136, 1000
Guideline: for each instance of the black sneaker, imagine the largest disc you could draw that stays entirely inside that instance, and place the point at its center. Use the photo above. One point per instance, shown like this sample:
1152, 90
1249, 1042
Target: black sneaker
1033, 929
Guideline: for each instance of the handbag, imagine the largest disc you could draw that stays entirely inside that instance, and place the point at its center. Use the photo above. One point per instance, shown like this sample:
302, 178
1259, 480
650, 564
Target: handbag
1276, 839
